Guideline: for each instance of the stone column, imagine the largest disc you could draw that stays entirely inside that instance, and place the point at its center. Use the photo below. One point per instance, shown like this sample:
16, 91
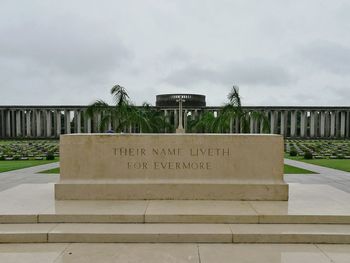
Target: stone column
13, 124
293, 122
23, 123
166, 118
312, 124
251, 122
98, 120
2, 124
87, 123
261, 126
110, 125
303, 124
273, 122
332, 133
38, 123
8, 123
342, 124
67, 121
176, 119
283, 123
337, 124
48, 123
28, 124
77, 114
348, 124
322, 124
18, 124
58, 123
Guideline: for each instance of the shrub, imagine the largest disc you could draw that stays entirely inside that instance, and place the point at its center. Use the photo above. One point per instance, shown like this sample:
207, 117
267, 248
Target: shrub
2, 158
293, 152
50, 156
308, 155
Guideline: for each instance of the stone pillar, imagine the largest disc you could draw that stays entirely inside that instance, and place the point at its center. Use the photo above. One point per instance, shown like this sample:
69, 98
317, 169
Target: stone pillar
87, 123
98, 121
293, 122
13, 123
166, 119
8, 123
273, 122
342, 124
251, 124
303, 124
312, 124
58, 123
2, 124
18, 123
48, 123
38, 123
23, 123
322, 124
67, 121
283, 123
28, 124
332, 133
110, 125
176, 119
77, 114
348, 124
337, 124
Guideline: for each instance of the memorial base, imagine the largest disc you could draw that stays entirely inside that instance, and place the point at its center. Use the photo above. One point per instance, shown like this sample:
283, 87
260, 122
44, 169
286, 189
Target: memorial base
171, 167
176, 190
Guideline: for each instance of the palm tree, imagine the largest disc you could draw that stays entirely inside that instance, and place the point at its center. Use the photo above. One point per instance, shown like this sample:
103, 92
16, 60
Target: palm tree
124, 115
120, 115
205, 123
233, 111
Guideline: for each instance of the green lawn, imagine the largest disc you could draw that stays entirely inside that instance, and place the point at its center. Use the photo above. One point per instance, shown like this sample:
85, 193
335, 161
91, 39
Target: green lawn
339, 164
6, 166
287, 170
51, 171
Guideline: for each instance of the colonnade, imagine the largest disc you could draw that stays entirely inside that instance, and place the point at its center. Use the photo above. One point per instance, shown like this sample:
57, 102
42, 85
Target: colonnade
38, 122
292, 122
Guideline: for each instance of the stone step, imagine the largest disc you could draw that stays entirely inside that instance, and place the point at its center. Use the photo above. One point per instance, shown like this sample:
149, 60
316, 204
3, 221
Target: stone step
175, 233
169, 216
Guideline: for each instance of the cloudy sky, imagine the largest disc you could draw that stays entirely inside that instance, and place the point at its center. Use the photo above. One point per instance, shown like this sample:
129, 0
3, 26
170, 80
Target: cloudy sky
279, 52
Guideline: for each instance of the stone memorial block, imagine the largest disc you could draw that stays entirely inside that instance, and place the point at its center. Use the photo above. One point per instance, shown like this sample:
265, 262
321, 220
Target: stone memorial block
171, 166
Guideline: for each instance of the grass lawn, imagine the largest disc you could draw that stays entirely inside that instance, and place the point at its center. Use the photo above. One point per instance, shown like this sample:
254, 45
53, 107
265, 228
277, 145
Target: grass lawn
339, 164
287, 170
51, 171
6, 166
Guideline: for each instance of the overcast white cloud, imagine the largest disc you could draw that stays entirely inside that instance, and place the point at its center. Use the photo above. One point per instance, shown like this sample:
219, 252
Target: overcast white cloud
72, 52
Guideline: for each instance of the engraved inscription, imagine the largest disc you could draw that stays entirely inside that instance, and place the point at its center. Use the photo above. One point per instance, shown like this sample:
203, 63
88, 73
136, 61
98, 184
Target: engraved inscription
193, 154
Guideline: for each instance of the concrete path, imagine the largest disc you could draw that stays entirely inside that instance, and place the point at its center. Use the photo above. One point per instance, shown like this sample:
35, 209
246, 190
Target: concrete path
29, 175
332, 177
170, 253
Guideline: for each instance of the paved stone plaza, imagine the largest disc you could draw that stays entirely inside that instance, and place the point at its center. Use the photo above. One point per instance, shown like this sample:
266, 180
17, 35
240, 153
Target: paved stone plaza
27, 197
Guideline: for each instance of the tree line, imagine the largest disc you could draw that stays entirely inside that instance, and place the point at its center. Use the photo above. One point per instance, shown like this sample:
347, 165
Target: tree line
124, 116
